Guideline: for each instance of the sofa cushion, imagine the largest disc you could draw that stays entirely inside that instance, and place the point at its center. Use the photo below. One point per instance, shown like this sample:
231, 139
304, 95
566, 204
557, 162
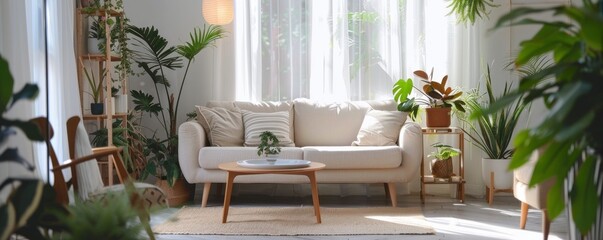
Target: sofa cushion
260, 107
352, 157
223, 127
327, 124
380, 128
211, 157
275, 122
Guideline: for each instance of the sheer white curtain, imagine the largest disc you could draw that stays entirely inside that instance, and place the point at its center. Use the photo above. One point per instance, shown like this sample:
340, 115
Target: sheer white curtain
63, 98
14, 47
344, 49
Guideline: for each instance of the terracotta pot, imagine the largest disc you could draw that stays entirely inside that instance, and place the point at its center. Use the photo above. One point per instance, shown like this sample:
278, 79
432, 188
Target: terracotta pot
177, 195
438, 117
442, 168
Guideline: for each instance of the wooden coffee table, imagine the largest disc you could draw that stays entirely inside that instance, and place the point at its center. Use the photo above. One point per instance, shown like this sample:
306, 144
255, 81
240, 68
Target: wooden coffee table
235, 170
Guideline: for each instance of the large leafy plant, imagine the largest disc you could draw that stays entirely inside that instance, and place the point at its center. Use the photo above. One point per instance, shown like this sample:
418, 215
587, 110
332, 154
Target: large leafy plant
155, 57
572, 129
26, 211
436, 93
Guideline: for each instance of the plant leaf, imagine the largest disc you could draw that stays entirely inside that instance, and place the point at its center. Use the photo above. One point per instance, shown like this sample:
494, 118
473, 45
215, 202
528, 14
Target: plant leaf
29, 91
555, 202
12, 155
422, 74
584, 196
402, 88
7, 220
199, 39
6, 84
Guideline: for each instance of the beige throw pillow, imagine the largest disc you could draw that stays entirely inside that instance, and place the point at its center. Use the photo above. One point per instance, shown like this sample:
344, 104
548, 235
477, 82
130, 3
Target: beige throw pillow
275, 122
223, 127
380, 128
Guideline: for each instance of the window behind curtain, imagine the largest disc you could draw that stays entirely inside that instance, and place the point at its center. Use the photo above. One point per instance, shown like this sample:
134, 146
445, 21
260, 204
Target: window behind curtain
336, 50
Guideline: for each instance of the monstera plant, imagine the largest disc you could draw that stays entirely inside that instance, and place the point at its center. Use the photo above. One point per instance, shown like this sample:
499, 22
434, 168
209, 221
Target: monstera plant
28, 209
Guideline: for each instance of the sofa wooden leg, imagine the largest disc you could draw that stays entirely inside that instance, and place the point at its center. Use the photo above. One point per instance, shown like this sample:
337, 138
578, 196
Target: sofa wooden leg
524, 215
206, 188
392, 194
386, 187
546, 224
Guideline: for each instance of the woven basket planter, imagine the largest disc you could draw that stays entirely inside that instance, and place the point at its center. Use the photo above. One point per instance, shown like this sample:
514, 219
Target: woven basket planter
442, 168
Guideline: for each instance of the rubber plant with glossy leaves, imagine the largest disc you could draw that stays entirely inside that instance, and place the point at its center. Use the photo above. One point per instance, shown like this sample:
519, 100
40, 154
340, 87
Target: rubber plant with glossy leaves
437, 95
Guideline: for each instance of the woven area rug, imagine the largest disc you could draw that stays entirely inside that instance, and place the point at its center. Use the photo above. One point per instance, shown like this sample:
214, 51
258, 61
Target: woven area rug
296, 221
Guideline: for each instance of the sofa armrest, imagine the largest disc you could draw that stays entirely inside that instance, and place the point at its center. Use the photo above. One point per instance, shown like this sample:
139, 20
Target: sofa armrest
191, 138
411, 142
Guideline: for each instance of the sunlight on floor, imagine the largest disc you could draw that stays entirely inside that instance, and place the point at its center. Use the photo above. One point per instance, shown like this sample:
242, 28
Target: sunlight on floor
409, 220
457, 226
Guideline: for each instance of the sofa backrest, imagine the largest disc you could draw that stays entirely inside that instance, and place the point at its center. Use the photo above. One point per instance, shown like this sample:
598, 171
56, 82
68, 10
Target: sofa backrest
317, 123
332, 124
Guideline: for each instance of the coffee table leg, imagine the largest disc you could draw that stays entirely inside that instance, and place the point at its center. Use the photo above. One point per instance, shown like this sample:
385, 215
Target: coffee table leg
229, 181
312, 177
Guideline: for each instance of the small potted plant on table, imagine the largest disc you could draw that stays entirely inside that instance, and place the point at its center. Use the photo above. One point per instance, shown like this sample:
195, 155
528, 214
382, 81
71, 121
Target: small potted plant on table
441, 166
269, 146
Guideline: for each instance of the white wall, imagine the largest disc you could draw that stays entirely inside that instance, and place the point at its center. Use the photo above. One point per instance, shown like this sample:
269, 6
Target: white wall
175, 19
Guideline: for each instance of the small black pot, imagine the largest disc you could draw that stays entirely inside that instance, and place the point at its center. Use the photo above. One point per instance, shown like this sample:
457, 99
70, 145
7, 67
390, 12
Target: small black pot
97, 108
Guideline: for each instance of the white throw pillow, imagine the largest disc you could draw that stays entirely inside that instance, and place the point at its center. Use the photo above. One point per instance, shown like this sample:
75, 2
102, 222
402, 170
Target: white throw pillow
223, 127
275, 122
380, 128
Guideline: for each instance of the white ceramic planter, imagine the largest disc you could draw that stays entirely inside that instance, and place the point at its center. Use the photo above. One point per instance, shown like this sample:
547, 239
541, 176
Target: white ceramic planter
503, 179
121, 103
93, 45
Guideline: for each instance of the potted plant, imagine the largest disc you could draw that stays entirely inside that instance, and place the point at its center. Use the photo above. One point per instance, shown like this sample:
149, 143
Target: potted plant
439, 99
269, 146
155, 57
97, 37
96, 88
441, 166
570, 88
493, 132
469, 11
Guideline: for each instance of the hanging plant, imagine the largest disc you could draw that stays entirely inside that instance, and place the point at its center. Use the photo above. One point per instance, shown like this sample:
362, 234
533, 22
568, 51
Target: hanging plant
467, 11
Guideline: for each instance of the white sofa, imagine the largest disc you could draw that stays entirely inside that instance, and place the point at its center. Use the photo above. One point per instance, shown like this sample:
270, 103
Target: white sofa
322, 132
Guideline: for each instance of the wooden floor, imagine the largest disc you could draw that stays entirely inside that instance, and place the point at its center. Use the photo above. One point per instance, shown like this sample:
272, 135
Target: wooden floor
474, 219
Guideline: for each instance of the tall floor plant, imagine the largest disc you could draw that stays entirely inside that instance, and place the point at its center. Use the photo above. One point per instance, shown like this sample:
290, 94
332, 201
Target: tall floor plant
155, 57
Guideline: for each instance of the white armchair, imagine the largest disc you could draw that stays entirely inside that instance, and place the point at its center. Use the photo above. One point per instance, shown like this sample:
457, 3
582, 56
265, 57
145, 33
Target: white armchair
535, 196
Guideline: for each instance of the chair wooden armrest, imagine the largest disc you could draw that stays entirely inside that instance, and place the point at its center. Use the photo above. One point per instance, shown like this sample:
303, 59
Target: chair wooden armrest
106, 149
122, 174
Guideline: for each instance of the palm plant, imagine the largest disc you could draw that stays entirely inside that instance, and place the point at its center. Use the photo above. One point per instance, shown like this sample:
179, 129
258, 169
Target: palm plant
570, 89
154, 58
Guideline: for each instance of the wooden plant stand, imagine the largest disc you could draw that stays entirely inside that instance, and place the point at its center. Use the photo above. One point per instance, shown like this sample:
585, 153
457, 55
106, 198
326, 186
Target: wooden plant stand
490, 190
